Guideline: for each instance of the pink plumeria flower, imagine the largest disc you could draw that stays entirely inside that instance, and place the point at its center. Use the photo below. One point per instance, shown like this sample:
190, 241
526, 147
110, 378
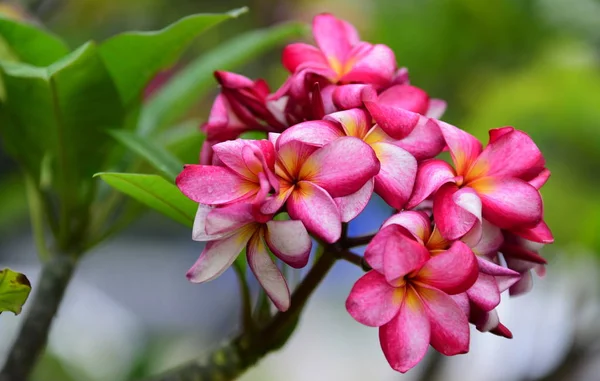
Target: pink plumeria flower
311, 177
232, 228
340, 57
407, 293
495, 182
242, 169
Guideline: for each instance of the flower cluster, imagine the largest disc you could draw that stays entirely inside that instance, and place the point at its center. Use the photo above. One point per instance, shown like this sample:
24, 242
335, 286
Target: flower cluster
346, 124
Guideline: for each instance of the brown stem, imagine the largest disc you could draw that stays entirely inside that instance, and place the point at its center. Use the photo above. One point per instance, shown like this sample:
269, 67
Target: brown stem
32, 337
351, 242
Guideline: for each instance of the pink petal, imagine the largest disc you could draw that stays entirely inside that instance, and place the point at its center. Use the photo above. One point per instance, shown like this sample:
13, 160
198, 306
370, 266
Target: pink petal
431, 175
462, 301
524, 285
299, 54
512, 154
453, 271
228, 218
408, 97
449, 324
316, 133
375, 65
218, 256
232, 80
487, 241
199, 229
417, 223
350, 206
223, 123
317, 210
395, 121
341, 167
355, 122
290, 158
425, 141
456, 211
396, 178
212, 185
539, 233
289, 241
372, 301
334, 37
275, 202
540, 179
406, 337
346, 97
436, 108
488, 267
267, 273
464, 148
508, 202
485, 293
231, 154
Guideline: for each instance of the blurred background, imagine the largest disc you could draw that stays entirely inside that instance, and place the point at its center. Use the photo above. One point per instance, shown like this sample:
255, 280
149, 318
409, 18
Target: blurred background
532, 64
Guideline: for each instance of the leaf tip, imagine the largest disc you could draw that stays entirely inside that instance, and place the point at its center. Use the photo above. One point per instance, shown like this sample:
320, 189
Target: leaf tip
235, 13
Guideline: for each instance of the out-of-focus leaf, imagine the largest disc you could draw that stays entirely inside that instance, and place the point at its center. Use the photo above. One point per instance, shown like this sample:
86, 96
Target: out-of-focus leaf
254, 135
158, 156
29, 44
61, 111
133, 58
175, 98
156, 192
184, 141
14, 290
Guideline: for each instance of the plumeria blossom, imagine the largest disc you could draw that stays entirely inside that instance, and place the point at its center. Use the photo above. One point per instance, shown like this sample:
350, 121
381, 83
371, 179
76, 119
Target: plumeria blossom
407, 293
494, 182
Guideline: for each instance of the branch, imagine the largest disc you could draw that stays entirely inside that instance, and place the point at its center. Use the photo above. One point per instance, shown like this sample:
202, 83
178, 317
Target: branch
351, 242
233, 359
32, 337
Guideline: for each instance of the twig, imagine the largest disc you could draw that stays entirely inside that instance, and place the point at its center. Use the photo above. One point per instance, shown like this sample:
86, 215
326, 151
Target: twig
351, 242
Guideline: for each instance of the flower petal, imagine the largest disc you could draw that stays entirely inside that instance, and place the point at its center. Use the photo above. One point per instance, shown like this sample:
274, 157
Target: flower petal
449, 324
346, 97
350, 206
267, 273
485, 293
396, 178
373, 64
431, 175
334, 37
316, 133
229, 218
425, 141
317, 210
436, 108
299, 54
524, 285
406, 337
453, 271
212, 185
355, 122
539, 233
218, 256
408, 97
508, 202
395, 121
489, 241
540, 179
289, 241
464, 148
372, 301
456, 211
417, 223
199, 229
341, 167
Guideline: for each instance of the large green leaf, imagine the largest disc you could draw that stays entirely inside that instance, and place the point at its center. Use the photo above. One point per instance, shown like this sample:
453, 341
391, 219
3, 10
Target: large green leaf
155, 192
133, 58
61, 113
26, 43
155, 154
173, 100
14, 290
184, 140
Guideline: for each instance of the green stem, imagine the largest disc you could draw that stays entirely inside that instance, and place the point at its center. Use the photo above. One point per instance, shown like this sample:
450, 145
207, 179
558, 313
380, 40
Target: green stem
33, 334
36, 213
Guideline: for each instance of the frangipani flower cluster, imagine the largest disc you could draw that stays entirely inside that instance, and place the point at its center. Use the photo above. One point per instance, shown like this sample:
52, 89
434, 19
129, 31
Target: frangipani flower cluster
347, 124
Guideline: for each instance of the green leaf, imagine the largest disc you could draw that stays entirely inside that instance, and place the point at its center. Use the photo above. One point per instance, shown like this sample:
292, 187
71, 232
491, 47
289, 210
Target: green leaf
158, 156
14, 290
134, 58
175, 98
61, 112
156, 192
29, 44
184, 140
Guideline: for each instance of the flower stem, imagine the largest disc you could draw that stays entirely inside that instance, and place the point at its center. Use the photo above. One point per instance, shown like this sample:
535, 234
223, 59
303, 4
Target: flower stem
351, 242
32, 337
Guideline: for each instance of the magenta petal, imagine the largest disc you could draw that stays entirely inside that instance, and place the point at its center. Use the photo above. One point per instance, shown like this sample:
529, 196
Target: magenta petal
372, 301
267, 273
218, 256
417, 223
431, 175
436, 108
199, 230
456, 211
210, 185
396, 178
490, 240
523, 286
355, 122
485, 293
401, 254
406, 337
315, 133
488, 267
508, 202
289, 241
539, 233
334, 37
449, 324
407, 97
341, 167
350, 206
425, 141
346, 97
540, 179
298, 54
317, 210
374, 64
395, 121
228, 218
464, 147
453, 271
